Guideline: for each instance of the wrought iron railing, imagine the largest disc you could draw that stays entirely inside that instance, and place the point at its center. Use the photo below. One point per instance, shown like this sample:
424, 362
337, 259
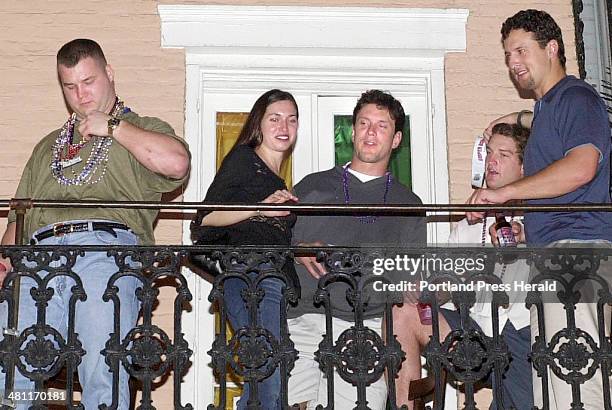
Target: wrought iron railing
360, 355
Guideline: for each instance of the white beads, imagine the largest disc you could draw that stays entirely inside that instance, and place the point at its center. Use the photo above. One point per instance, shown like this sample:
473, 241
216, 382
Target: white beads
98, 157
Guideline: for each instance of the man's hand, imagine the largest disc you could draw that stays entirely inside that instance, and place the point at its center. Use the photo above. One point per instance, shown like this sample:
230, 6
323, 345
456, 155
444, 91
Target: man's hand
485, 196
7, 239
95, 124
508, 118
313, 267
5, 268
474, 216
517, 230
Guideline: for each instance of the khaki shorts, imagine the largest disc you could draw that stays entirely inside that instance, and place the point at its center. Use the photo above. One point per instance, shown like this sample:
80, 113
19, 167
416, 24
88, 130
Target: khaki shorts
308, 384
585, 314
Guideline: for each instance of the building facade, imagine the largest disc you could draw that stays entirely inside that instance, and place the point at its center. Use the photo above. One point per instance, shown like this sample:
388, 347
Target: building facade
443, 58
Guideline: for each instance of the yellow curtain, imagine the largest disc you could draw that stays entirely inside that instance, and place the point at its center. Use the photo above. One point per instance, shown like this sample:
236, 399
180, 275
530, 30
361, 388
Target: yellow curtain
229, 125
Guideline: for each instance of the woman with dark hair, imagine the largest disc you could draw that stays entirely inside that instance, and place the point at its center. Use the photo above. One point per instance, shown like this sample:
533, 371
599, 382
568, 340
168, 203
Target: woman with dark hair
249, 174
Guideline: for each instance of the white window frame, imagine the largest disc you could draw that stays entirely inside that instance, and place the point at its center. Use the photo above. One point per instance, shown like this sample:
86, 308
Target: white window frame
596, 39
309, 51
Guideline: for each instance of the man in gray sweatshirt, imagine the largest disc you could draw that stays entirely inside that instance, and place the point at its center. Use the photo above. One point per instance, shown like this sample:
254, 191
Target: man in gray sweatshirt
378, 120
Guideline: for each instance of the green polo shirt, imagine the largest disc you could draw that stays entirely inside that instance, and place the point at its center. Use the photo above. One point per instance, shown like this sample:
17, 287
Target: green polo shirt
126, 179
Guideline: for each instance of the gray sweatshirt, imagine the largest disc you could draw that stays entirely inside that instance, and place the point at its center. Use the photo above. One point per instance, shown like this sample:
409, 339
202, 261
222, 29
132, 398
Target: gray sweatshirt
346, 230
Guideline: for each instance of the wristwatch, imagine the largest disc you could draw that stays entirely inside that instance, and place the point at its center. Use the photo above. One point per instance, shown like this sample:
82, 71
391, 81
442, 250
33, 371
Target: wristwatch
113, 123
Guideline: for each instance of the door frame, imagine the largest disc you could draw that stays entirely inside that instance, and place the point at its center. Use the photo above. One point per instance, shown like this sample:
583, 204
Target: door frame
308, 51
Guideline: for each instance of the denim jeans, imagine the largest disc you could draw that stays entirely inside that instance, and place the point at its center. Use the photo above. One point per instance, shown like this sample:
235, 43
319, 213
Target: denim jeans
268, 317
93, 317
517, 385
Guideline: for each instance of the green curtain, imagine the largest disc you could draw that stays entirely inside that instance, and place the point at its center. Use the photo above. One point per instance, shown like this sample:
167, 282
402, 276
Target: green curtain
400, 164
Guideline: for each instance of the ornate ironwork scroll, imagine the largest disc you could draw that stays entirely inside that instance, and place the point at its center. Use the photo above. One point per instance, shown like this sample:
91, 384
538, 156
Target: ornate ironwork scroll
36, 350
147, 352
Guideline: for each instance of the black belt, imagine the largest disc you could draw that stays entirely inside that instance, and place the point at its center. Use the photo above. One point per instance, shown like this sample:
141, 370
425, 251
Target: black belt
61, 229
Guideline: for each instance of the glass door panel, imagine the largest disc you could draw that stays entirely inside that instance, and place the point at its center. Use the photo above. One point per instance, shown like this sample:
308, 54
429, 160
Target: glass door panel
334, 142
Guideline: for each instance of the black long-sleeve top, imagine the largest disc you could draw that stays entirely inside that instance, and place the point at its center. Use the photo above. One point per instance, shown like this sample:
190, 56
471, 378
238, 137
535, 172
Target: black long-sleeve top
244, 179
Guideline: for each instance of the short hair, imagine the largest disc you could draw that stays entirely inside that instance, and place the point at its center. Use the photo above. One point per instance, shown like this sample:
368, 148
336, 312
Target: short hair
519, 134
541, 24
74, 51
382, 100
251, 130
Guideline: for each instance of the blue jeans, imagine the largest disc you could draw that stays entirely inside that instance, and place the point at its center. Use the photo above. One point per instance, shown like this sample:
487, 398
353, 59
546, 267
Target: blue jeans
268, 317
93, 317
516, 381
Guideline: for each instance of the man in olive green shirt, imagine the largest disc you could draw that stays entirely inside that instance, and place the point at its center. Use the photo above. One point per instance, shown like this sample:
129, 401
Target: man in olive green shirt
103, 152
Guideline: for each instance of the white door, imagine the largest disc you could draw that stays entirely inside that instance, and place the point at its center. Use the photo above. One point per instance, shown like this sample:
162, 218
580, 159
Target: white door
314, 151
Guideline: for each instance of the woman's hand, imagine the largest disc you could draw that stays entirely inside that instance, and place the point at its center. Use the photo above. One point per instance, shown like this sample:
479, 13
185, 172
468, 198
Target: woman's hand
278, 197
226, 218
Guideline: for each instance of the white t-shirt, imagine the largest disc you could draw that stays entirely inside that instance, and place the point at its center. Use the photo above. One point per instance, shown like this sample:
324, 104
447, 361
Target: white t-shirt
517, 313
361, 176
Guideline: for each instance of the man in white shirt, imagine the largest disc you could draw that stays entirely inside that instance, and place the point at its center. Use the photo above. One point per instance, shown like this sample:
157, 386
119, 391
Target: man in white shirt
503, 166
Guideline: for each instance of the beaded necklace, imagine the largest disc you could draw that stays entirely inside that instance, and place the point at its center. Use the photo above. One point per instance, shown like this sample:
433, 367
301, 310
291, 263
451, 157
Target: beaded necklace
368, 219
73, 149
64, 152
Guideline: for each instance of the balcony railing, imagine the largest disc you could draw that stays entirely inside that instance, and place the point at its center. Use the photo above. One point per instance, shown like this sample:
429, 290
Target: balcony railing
360, 355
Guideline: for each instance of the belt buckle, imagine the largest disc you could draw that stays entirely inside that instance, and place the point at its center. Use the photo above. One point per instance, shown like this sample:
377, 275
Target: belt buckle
57, 227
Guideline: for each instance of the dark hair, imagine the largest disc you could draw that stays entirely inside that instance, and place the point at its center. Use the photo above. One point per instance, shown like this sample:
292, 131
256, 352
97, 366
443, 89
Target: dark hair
519, 134
74, 51
251, 130
541, 24
382, 100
